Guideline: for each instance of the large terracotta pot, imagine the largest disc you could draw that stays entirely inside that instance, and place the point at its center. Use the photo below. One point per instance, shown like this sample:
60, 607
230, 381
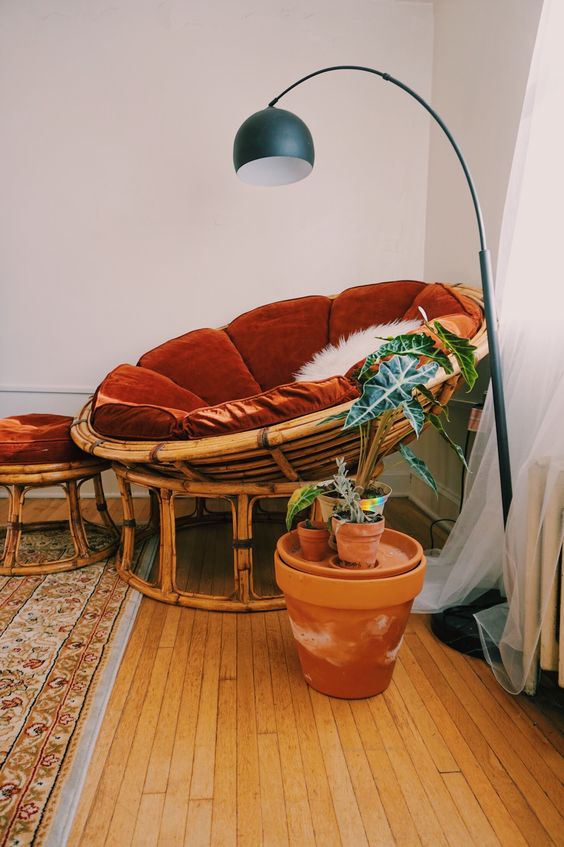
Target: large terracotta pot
349, 624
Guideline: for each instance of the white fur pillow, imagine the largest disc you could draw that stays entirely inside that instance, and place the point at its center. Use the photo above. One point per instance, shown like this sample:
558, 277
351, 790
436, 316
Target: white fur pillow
337, 359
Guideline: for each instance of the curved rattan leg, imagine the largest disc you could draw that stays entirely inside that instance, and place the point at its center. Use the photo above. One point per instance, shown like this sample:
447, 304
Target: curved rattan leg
242, 542
102, 506
76, 524
125, 560
167, 553
13, 528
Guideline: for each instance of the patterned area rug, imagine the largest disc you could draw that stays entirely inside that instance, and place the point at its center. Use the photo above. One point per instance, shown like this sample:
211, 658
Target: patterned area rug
61, 640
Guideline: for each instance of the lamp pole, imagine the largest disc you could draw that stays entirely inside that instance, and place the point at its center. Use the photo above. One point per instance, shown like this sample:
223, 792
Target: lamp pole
485, 273
274, 147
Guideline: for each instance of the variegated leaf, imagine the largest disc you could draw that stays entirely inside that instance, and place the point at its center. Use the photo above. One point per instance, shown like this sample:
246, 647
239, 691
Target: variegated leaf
462, 350
438, 424
388, 389
416, 344
419, 467
300, 500
414, 415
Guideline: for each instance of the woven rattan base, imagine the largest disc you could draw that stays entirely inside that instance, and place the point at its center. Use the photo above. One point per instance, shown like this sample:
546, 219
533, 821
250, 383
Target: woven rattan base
165, 583
19, 480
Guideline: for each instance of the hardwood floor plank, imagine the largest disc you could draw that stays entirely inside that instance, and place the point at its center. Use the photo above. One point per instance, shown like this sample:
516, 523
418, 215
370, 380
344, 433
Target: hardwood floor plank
201, 786
453, 692
323, 815
156, 780
264, 701
102, 810
148, 820
447, 814
198, 824
430, 733
516, 734
122, 825
349, 819
424, 817
273, 806
519, 717
367, 796
249, 817
476, 822
455, 666
397, 813
443, 705
112, 719
228, 664
224, 813
175, 811
298, 812
170, 627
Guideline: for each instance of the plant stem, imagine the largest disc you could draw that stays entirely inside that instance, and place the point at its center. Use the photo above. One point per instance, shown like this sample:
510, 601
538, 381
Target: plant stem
368, 463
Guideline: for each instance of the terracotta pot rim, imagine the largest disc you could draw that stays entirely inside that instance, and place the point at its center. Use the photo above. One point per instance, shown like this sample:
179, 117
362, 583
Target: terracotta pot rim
342, 592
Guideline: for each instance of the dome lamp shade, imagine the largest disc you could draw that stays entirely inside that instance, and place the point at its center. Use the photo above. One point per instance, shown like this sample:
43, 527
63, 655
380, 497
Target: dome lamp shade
273, 147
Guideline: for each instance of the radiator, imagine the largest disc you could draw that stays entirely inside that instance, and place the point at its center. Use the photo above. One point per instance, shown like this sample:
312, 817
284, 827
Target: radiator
544, 590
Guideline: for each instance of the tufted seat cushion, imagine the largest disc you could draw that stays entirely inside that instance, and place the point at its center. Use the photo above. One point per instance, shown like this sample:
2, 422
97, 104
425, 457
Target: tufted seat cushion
37, 439
218, 381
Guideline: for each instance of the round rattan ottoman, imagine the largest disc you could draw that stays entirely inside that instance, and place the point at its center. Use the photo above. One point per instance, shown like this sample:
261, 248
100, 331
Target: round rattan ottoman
36, 451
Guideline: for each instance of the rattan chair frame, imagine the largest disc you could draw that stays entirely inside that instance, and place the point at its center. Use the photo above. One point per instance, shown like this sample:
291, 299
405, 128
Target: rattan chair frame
242, 467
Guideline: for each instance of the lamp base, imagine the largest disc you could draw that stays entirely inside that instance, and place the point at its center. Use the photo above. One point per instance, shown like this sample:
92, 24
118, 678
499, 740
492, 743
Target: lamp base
457, 628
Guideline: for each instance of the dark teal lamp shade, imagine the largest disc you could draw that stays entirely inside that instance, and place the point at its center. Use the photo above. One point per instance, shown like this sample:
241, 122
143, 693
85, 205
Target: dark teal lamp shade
273, 147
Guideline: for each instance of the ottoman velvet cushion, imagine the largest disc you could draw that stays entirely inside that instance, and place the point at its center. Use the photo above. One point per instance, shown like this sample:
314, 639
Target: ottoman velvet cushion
37, 440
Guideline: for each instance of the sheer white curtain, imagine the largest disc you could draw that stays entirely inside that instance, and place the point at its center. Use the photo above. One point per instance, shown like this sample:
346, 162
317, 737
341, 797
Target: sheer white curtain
530, 295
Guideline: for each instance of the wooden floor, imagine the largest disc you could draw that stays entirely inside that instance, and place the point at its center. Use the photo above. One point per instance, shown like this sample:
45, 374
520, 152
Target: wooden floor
213, 738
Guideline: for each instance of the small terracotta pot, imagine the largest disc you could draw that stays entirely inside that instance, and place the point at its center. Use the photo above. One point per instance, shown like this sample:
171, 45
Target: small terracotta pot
313, 540
358, 543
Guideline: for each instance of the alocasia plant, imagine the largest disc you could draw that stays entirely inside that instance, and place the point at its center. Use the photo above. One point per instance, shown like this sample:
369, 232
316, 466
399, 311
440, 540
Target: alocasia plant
390, 380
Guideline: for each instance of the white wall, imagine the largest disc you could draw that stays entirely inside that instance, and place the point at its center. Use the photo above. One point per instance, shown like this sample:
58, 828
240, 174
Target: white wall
482, 53
122, 222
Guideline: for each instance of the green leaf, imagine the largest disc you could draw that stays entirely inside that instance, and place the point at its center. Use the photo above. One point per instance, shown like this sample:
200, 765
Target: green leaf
432, 399
388, 389
438, 424
416, 344
419, 467
338, 417
370, 360
300, 500
414, 415
462, 350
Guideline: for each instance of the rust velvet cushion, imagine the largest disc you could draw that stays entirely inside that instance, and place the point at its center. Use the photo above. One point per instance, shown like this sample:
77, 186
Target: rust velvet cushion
134, 402
206, 362
218, 381
439, 301
37, 439
283, 403
275, 340
366, 305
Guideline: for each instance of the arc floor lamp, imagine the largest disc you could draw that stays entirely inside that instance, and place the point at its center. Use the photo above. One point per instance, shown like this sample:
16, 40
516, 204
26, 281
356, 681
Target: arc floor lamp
275, 147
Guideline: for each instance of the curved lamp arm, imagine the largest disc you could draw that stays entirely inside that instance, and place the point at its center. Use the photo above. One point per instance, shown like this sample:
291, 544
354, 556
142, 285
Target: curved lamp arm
485, 271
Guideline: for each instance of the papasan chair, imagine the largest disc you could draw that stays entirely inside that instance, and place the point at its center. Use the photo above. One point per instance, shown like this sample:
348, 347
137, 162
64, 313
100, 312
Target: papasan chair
216, 414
